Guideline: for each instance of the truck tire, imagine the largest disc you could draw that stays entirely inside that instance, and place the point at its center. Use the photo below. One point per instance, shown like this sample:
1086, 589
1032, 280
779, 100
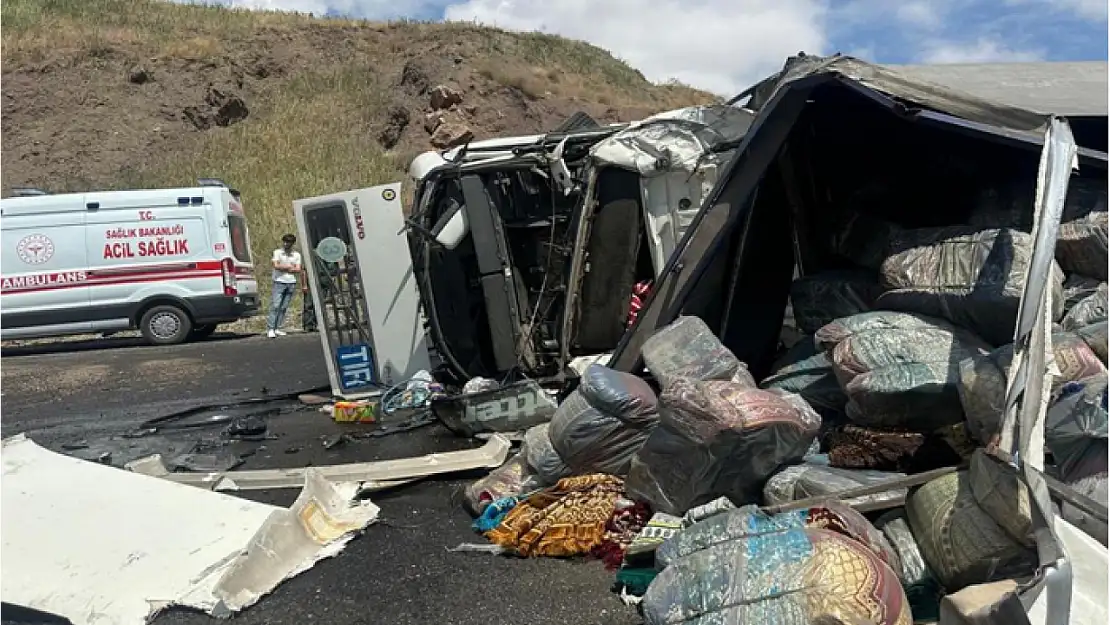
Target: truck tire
165, 325
202, 331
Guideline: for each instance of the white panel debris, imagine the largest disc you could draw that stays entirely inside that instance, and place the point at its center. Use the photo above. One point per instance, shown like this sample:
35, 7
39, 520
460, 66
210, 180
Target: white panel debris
102, 546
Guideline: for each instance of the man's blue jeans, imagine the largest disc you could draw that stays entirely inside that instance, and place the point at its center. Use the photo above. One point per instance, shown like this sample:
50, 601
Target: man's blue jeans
280, 298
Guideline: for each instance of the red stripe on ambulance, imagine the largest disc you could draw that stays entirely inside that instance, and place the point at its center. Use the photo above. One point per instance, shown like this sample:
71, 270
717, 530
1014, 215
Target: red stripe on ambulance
123, 275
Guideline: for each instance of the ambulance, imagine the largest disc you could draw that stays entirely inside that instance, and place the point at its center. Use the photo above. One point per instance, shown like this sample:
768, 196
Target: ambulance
172, 263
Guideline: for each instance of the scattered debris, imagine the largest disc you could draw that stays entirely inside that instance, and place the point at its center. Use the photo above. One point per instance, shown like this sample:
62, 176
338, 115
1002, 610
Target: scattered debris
234, 552
490, 455
335, 440
478, 548
311, 399
205, 463
151, 465
478, 385
353, 411
251, 426
416, 421
90, 455
510, 408
416, 393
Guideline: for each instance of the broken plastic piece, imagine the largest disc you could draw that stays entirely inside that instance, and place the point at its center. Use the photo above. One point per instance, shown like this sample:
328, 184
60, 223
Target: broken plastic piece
477, 548
490, 455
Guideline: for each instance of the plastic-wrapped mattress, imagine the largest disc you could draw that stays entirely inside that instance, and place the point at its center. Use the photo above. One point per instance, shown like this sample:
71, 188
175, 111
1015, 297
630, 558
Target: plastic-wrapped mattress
737, 568
718, 438
972, 278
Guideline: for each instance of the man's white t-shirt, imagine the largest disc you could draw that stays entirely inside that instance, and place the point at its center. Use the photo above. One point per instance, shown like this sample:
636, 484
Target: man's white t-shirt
288, 258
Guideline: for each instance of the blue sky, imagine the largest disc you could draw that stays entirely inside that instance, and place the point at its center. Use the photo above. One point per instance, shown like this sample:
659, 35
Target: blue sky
725, 45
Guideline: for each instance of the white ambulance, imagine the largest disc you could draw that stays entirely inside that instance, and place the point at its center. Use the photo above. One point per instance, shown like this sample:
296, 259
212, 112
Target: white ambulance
173, 263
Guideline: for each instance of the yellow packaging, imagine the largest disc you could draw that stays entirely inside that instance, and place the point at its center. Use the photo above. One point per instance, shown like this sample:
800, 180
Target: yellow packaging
354, 412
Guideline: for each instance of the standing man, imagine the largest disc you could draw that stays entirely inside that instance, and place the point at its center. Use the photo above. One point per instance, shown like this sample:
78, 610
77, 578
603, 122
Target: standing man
287, 264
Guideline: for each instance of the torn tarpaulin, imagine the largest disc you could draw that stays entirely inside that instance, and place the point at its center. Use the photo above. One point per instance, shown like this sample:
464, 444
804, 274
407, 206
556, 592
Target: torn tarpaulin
70, 519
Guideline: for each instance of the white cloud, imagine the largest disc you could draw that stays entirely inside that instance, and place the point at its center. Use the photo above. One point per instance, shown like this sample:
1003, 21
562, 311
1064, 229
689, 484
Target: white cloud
727, 45
1094, 10
720, 45
921, 14
983, 50
1089, 9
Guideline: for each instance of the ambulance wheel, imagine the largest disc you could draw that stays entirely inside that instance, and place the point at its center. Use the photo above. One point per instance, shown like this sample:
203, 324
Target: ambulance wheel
202, 331
165, 325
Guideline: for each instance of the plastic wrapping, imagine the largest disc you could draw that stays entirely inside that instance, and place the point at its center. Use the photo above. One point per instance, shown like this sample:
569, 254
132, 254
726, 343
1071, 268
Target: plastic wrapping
972, 278
805, 480
1090, 309
542, 457
719, 439
1011, 205
1077, 287
902, 378
704, 511
896, 529
961, 543
1081, 245
750, 521
688, 349
1076, 430
829, 336
603, 422
813, 379
795, 577
999, 493
819, 299
982, 379
511, 479
798, 351
1095, 337
659, 528
1094, 488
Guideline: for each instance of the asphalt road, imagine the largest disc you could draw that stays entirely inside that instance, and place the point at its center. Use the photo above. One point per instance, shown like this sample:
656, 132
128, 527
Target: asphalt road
399, 572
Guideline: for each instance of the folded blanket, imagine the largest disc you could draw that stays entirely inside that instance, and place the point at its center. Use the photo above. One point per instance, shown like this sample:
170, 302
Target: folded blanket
565, 520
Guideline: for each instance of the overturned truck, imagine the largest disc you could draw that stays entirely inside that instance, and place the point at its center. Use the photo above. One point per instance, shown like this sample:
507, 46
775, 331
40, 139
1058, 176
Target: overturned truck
528, 251
916, 229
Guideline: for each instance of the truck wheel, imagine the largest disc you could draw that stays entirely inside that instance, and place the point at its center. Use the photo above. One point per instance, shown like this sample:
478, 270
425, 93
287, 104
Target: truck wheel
202, 331
165, 325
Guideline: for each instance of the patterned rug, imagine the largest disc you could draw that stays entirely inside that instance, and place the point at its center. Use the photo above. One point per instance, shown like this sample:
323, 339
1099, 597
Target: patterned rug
567, 519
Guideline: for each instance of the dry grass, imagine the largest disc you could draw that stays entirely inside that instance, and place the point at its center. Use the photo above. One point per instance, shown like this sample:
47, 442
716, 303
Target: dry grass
315, 139
314, 133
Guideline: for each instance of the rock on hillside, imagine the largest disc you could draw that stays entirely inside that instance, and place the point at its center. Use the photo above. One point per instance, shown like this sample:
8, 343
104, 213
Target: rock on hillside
114, 93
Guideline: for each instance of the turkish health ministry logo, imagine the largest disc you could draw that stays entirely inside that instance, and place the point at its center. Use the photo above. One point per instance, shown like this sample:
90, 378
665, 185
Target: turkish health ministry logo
35, 249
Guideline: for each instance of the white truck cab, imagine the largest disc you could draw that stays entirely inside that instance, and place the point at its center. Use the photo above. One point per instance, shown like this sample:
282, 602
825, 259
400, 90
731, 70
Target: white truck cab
172, 263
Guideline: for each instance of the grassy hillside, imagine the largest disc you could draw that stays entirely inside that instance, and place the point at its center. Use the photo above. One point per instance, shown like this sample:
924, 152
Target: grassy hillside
126, 93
